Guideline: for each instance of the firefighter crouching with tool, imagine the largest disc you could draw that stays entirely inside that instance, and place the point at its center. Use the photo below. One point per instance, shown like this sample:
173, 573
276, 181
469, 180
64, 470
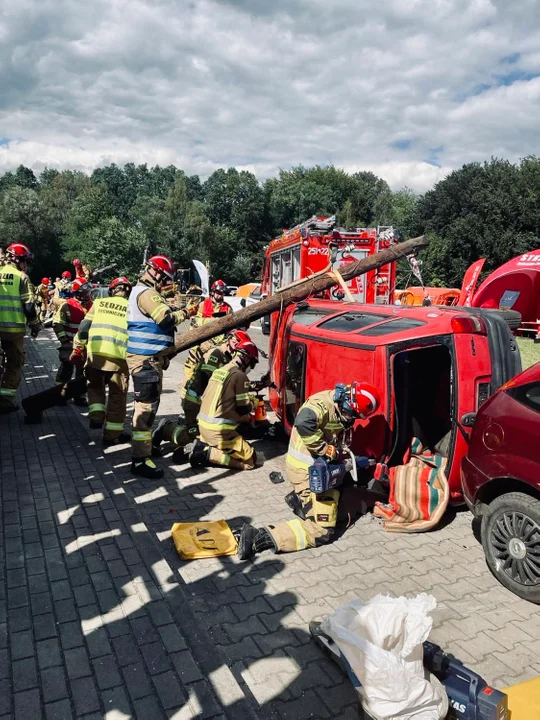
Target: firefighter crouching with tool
151, 326
103, 335
226, 403
17, 309
181, 434
317, 436
212, 307
66, 321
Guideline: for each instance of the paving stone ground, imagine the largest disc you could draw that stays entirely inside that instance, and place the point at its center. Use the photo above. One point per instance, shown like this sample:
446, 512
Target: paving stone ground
100, 618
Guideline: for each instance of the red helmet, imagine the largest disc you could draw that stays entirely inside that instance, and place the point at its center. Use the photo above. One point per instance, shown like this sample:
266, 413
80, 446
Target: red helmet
123, 280
66, 274
219, 286
80, 285
249, 349
364, 399
77, 262
44, 281
162, 264
235, 337
19, 252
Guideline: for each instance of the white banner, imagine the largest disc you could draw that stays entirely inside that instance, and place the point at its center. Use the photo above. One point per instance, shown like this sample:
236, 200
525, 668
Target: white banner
203, 274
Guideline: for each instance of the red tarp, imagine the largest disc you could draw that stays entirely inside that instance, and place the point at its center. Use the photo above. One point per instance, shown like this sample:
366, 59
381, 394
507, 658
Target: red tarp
515, 285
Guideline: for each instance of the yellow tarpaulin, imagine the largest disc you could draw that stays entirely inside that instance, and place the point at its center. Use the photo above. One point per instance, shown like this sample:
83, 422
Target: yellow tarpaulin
524, 700
203, 539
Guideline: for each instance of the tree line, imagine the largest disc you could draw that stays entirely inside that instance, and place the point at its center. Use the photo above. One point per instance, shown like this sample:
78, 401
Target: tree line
489, 209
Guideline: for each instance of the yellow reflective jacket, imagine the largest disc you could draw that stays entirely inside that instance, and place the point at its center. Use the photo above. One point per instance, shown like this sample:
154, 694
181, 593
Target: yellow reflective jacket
316, 426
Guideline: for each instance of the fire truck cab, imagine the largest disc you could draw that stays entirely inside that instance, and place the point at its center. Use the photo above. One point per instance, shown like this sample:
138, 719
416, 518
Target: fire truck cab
316, 246
434, 367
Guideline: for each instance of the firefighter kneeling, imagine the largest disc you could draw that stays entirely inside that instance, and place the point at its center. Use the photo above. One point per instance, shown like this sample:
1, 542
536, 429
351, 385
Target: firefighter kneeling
315, 440
183, 433
103, 332
226, 403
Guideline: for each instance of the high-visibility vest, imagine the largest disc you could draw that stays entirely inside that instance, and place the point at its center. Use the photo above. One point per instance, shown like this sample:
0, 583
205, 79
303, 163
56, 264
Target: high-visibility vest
145, 337
12, 317
329, 429
108, 335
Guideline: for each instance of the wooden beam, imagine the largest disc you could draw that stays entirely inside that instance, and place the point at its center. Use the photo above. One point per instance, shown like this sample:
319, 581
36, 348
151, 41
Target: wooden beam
296, 292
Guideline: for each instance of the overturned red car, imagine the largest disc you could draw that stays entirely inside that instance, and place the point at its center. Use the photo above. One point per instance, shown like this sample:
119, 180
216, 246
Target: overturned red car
434, 366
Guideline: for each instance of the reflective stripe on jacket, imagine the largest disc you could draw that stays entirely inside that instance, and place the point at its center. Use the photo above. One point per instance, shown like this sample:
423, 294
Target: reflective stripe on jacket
12, 317
328, 431
145, 337
108, 334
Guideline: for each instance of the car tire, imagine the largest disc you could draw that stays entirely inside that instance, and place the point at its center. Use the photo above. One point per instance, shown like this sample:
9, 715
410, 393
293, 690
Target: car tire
511, 317
511, 541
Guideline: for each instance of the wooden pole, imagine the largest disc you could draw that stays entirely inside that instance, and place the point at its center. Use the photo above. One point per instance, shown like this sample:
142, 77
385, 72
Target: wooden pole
295, 293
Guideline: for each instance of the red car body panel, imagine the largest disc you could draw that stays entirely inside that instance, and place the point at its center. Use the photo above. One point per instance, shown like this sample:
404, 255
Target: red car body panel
372, 354
505, 440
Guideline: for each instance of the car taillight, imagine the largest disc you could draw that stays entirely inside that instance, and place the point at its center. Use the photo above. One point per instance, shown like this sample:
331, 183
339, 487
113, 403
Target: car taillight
482, 393
468, 324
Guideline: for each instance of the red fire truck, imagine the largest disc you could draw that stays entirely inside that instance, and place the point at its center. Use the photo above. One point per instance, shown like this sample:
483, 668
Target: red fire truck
317, 245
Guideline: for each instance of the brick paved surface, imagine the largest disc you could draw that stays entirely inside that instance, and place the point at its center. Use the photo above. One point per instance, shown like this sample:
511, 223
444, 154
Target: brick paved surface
100, 618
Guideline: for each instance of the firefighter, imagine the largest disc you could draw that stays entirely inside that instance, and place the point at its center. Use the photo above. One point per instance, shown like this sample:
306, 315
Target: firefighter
103, 334
82, 271
17, 309
151, 324
62, 290
225, 404
183, 433
318, 432
42, 298
212, 307
66, 321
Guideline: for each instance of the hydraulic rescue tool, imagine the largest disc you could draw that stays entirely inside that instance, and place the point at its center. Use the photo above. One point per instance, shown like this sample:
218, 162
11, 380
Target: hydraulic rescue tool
470, 697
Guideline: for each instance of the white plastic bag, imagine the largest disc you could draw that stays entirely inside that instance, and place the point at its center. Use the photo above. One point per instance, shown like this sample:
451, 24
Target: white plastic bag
382, 641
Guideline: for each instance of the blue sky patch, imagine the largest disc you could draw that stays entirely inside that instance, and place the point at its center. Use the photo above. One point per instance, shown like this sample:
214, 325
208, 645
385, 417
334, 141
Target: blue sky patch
402, 144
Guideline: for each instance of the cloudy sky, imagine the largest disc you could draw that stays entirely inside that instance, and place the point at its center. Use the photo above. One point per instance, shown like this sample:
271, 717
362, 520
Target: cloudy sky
407, 88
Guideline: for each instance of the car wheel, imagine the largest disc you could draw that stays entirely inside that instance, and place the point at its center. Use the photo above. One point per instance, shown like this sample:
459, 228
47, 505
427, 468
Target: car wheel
511, 317
511, 542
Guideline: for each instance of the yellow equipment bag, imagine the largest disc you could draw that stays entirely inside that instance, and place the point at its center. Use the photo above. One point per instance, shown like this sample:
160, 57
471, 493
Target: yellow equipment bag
203, 539
325, 508
524, 700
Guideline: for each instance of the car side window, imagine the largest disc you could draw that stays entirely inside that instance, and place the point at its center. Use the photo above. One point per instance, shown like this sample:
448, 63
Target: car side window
528, 395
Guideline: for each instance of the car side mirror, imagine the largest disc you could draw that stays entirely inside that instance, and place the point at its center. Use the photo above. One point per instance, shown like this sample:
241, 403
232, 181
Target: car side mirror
243, 302
467, 420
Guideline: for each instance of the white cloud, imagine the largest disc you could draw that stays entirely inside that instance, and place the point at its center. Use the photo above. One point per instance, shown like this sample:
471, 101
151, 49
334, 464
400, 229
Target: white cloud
407, 88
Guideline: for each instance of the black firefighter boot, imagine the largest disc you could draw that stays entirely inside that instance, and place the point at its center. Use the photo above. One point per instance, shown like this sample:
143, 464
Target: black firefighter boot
200, 455
144, 467
254, 540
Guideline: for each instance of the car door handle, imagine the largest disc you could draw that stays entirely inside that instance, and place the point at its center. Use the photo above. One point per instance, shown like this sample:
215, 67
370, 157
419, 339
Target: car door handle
467, 420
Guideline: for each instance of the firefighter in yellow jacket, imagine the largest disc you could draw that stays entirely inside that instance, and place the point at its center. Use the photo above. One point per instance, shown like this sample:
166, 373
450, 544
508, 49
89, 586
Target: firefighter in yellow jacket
103, 335
318, 432
226, 403
210, 308
151, 326
17, 309
182, 433
66, 321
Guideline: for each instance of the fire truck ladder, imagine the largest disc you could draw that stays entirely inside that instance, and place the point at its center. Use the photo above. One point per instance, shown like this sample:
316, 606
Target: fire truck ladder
384, 233
321, 225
